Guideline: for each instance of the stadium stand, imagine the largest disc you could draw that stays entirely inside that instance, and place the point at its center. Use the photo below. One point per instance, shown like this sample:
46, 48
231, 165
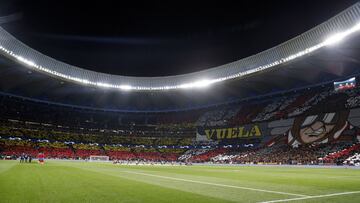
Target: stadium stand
29, 127
353, 160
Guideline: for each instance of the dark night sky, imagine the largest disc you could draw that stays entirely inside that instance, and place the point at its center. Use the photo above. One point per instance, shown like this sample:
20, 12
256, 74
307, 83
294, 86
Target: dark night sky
156, 39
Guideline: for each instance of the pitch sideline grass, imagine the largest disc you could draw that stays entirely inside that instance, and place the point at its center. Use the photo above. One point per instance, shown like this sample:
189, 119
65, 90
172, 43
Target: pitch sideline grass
95, 182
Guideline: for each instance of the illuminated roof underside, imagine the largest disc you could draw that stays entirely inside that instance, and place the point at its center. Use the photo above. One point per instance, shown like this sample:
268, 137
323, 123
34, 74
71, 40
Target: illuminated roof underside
325, 34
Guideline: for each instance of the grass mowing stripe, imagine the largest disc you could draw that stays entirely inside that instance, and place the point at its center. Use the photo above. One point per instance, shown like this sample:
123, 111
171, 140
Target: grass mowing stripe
313, 197
6, 167
342, 177
217, 184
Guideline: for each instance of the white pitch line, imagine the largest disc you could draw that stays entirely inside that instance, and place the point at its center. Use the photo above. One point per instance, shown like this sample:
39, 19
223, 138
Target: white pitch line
312, 197
216, 184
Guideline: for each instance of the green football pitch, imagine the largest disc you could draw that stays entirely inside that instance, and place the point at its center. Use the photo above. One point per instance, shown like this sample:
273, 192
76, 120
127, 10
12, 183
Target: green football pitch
104, 182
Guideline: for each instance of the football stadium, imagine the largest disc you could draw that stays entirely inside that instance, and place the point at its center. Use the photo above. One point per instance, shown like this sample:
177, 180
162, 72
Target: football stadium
249, 102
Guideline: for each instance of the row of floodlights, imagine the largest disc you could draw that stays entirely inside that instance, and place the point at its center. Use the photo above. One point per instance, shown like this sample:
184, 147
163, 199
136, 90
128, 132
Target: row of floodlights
201, 83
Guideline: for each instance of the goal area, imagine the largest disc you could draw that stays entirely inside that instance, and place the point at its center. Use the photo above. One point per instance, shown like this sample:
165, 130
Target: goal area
94, 158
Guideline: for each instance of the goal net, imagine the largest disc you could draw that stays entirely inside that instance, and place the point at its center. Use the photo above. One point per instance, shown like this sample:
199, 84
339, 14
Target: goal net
98, 158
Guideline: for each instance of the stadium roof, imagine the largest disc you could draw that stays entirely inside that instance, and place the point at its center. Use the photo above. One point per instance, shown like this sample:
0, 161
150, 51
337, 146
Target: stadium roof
336, 29
321, 67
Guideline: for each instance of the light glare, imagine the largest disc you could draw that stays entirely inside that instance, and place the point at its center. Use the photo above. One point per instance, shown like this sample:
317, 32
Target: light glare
334, 39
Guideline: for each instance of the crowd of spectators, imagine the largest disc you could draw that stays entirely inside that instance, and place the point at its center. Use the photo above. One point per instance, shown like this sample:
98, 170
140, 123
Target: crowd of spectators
15, 147
330, 153
353, 160
278, 107
38, 132
342, 152
64, 132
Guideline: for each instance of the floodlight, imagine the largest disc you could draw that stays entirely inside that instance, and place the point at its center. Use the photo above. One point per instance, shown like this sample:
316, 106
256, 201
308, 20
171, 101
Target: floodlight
101, 84
26, 61
338, 37
334, 39
125, 87
200, 83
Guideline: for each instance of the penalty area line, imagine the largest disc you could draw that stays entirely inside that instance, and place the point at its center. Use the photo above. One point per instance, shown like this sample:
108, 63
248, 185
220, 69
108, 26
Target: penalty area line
216, 184
312, 197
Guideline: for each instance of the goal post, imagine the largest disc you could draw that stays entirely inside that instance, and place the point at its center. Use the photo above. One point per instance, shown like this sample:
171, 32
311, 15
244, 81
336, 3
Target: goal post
95, 158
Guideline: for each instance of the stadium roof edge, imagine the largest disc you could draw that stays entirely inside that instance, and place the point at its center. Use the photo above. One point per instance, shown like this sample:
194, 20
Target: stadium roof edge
332, 31
195, 108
